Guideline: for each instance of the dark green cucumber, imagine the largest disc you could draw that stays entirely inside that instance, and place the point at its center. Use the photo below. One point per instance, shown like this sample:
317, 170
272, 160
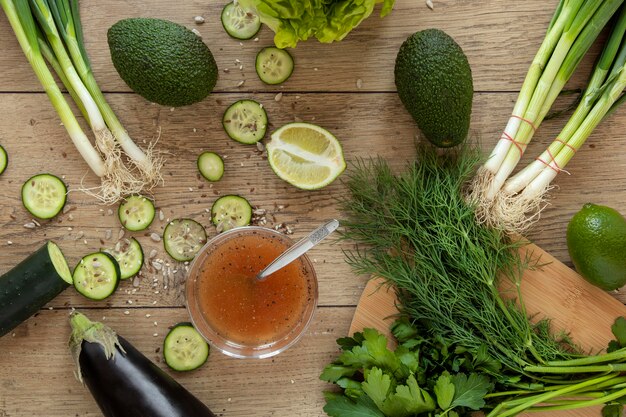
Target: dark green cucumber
32, 284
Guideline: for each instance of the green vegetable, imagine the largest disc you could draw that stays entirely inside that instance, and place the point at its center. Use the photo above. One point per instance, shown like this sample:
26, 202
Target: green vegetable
573, 29
434, 82
400, 383
51, 29
299, 20
162, 61
596, 240
417, 230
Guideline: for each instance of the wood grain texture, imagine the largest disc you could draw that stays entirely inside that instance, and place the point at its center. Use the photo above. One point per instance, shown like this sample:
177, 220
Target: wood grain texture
553, 291
37, 376
498, 37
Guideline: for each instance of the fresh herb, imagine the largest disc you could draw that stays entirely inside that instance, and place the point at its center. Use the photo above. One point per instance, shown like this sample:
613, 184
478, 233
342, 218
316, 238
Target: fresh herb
416, 230
381, 382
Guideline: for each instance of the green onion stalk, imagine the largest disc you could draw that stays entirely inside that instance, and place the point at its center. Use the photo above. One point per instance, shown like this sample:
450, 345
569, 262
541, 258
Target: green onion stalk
524, 194
67, 18
23, 25
573, 29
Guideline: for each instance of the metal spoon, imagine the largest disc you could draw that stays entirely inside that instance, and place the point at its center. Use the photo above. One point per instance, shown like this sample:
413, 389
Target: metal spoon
299, 248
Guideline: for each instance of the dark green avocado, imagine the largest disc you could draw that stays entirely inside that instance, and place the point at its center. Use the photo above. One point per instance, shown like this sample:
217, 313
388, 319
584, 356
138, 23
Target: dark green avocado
162, 61
434, 82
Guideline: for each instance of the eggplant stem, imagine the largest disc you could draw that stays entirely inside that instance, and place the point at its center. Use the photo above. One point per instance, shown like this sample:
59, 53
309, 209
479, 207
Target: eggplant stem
85, 330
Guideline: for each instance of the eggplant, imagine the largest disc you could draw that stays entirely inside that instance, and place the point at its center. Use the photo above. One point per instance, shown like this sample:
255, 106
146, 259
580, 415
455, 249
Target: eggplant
123, 381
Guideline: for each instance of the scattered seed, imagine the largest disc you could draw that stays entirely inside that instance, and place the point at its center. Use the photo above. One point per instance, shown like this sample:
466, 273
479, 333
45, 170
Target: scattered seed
136, 282
359, 83
155, 323
260, 146
80, 235
155, 334
278, 97
197, 32
120, 234
156, 265
199, 20
126, 312
241, 67
148, 316
256, 40
237, 61
430, 5
9, 242
30, 225
37, 223
153, 253
241, 83
154, 302
155, 237
161, 214
226, 70
109, 212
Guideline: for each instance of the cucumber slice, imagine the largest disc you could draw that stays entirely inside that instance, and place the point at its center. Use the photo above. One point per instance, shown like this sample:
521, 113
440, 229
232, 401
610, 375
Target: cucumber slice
239, 23
59, 262
231, 211
211, 166
4, 159
136, 213
245, 121
184, 349
129, 256
273, 65
183, 238
97, 276
44, 195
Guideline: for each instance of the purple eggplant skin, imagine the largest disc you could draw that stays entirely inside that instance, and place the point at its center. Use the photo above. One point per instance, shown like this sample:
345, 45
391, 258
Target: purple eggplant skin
130, 385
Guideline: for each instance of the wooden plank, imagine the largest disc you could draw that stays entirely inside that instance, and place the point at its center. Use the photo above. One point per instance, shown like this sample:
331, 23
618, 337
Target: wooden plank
35, 141
38, 372
499, 38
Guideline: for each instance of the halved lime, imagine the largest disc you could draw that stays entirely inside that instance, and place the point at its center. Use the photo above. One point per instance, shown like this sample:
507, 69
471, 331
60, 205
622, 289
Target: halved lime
305, 155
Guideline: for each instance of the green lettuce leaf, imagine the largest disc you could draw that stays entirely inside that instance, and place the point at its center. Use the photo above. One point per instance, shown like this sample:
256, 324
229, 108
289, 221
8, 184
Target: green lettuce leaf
327, 20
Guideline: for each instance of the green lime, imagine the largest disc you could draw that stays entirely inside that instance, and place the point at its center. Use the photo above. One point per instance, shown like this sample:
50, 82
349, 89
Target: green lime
305, 155
596, 240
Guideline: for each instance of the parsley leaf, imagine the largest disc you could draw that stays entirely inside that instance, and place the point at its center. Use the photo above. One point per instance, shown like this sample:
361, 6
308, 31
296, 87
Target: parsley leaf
444, 391
334, 372
408, 400
372, 352
469, 392
338, 405
376, 386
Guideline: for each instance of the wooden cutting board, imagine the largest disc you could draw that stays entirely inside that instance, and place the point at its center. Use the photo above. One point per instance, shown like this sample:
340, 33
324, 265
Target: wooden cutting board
554, 291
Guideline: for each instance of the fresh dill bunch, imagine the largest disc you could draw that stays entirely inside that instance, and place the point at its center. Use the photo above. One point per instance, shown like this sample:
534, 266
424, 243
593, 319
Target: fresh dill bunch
416, 230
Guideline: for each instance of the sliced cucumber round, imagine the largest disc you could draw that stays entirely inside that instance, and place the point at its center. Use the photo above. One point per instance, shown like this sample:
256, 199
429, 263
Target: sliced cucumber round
136, 213
245, 121
273, 65
4, 159
211, 166
184, 349
231, 211
239, 23
129, 255
183, 238
44, 195
97, 276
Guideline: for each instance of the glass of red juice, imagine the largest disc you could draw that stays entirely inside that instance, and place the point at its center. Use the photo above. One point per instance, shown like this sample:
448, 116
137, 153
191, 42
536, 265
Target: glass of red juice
240, 315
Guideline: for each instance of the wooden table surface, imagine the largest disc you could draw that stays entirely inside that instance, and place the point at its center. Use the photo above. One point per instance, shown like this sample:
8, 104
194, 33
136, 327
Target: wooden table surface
499, 38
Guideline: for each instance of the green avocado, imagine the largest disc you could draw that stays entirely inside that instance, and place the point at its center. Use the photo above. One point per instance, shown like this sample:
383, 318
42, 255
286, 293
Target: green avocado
434, 82
162, 61
596, 240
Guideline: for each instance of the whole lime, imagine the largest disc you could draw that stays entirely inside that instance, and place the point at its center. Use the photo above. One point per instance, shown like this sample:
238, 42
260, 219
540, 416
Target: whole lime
596, 240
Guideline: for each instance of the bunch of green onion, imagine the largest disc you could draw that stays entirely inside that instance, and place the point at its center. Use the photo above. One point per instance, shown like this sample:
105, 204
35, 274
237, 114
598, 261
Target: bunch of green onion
50, 30
513, 204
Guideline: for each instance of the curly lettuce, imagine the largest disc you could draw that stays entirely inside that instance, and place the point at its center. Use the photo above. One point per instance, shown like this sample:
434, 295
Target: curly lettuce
327, 20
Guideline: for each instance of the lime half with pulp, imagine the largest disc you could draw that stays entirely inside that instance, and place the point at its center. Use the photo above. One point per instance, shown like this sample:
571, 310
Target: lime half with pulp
305, 155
